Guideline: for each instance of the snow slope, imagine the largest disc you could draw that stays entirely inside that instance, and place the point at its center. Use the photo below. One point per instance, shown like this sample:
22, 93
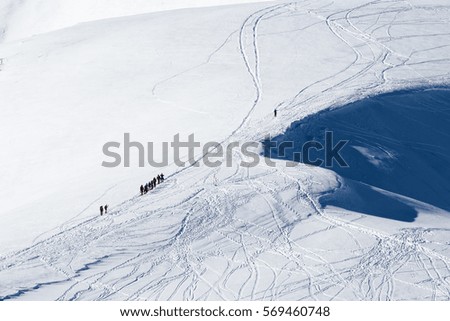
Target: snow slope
22, 19
397, 142
226, 233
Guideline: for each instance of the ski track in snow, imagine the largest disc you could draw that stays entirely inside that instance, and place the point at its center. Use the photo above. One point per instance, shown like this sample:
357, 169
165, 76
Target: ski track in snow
199, 246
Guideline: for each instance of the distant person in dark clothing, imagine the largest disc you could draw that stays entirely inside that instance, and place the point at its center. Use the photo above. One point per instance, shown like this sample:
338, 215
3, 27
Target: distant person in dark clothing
106, 209
275, 112
158, 179
162, 177
146, 189
101, 210
142, 190
154, 182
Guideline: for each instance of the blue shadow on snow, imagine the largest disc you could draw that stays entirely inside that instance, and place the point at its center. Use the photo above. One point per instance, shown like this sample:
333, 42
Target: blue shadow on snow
398, 146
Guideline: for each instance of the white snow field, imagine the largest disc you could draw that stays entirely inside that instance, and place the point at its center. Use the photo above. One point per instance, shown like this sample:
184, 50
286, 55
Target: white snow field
374, 73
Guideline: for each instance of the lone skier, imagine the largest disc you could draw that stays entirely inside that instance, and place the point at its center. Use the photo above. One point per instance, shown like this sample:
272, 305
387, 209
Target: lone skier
275, 112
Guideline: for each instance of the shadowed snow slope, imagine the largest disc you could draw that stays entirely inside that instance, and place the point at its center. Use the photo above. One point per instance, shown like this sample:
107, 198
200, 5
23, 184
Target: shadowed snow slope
398, 142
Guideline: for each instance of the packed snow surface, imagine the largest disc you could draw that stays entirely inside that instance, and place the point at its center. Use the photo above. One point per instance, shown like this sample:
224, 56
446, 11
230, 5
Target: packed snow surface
75, 75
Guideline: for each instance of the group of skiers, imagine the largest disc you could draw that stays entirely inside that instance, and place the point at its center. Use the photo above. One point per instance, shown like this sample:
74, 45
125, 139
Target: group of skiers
152, 184
104, 208
144, 190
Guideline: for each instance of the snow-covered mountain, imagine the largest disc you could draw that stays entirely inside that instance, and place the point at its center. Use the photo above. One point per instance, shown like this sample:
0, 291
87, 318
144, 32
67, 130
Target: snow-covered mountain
26, 18
76, 75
